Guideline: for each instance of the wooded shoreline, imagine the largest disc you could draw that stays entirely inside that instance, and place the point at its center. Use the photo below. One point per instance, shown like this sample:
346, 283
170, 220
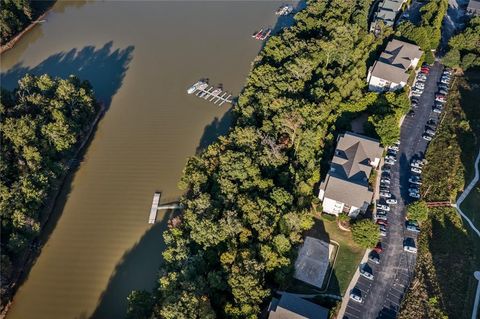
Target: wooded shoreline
32, 254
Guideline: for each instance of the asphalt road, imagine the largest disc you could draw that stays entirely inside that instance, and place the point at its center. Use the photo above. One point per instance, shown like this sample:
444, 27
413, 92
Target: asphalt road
382, 296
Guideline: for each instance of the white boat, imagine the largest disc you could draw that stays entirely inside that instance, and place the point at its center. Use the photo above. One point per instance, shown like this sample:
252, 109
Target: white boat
202, 86
216, 92
284, 10
194, 87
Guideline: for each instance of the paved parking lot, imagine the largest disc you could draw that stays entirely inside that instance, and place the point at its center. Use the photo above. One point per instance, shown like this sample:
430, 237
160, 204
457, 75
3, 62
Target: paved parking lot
382, 296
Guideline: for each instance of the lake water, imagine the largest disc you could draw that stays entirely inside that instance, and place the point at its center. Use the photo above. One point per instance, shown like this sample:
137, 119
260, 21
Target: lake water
140, 58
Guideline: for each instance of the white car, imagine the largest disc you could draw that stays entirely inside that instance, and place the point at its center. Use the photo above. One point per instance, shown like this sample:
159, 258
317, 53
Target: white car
426, 137
389, 162
394, 148
383, 207
414, 195
415, 181
416, 170
391, 201
355, 297
366, 274
385, 180
410, 249
385, 194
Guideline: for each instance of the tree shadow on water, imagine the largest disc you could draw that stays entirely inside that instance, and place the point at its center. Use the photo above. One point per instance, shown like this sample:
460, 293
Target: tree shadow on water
104, 68
214, 130
137, 270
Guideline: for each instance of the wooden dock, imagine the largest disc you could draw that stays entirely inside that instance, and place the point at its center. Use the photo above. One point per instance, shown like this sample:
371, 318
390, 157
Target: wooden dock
210, 93
153, 211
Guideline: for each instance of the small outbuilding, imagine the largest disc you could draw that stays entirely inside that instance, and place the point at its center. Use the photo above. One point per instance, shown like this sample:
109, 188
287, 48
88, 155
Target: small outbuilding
313, 261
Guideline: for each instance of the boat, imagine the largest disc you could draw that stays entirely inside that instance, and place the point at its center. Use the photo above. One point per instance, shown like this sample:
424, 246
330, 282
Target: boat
256, 34
284, 10
194, 87
202, 94
202, 86
216, 91
265, 35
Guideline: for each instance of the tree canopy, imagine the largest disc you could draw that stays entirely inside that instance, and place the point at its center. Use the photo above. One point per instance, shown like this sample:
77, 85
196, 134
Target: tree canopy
365, 233
464, 48
41, 122
247, 196
418, 211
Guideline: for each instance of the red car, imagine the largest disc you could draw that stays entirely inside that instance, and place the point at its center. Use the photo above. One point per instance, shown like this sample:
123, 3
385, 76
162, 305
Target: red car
382, 222
378, 249
425, 71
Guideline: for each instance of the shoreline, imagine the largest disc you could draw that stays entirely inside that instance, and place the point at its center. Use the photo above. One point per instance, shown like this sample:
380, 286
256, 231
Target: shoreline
11, 43
29, 258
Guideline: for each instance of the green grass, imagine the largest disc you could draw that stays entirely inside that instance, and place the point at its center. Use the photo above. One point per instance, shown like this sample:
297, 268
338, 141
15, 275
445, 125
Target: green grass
348, 257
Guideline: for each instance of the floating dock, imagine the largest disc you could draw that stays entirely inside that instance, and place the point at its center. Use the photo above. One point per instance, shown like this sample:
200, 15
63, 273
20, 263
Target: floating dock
262, 34
153, 211
210, 93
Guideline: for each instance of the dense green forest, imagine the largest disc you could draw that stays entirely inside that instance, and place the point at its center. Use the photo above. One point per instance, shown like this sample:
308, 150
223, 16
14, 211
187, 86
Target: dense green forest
427, 33
16, 15
464, 48
41, 122
443, 285
248, 196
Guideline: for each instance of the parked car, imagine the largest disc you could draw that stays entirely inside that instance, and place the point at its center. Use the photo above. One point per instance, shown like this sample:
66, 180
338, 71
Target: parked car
391, 201
385, 194
416, 93
390, 157
415, 181
426, 137
424, 71
389, 162
393, 147
409, 245
386, 171
430, 132
374, 257
431, 122
378, 248
411, 113
413, 228
416, 170
414, 99
414, 195
419, 85
382, 222
384, 207
414, 105
442, 91
385, 180
356, 297
381, 216
416, 164
437, 110
365, 273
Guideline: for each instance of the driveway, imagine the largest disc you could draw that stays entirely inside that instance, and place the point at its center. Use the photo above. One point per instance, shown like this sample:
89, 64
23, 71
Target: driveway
382, 296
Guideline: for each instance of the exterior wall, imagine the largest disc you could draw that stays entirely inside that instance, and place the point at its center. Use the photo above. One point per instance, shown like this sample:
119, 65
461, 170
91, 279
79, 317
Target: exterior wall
354, 211
321, 194
380, 85
414, 63
331, 206
375, 162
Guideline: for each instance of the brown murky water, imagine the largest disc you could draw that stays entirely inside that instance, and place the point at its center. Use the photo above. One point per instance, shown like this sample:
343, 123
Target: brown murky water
140, 57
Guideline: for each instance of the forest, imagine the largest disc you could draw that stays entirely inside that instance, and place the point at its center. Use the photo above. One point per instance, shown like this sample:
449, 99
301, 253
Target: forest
16, 15
464, 48
248, 196
41, 123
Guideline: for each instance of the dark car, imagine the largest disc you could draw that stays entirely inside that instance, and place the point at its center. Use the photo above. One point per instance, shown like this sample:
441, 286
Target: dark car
414, 99
411, 113
432, 122
378, 248
414, 104
374, 257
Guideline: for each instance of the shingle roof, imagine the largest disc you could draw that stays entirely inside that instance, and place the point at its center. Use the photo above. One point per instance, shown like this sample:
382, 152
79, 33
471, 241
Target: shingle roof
347, 180
395, 61
292, 307
474, 5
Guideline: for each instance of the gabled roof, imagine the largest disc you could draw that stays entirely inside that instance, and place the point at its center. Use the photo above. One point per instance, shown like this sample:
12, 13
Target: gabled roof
290, 306
474, 5
347, 180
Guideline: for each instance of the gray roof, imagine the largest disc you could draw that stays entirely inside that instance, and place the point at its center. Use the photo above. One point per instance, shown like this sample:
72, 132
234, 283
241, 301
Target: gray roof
347, 180
292, 307
391, 5
312, 262
474, 5
387, 16
395, 61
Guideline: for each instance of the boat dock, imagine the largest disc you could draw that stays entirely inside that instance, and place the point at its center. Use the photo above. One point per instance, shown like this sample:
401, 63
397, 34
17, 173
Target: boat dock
153, 211
210, 93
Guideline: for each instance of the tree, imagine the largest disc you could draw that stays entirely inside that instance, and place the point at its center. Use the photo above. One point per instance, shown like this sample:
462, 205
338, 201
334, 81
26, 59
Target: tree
365, 233
140, 304
418, 211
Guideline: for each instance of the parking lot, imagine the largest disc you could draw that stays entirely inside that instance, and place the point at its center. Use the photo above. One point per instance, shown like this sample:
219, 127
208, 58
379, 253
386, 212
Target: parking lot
381, 296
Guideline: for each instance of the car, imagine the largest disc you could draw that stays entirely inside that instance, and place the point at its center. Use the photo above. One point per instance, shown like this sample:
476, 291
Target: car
381, 213
416, 93
413, 228
426, 137
419, 86
374, 257
437, 110
382, 217
443, 91
430, 132
445, 81
392, 153
356, 297
383, 233
390, 157
386, 171
414, 105
416, 164
440, 97
409, 245
384, 207
389, 162
443, 86
412, 222
416, 170
385, 194
411, 113
382, 222
438, 104
413, 190
414, 195
417, 90
385, 180
414, 99
366, 272
394, 148
413, 186
415, 181
431, 122
378, 247
391, 201
410, 249
445, 77
424, 71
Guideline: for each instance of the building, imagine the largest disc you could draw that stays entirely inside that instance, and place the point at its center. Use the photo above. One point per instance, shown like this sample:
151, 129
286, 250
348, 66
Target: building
345, 188
390, 71
387, 12
290, 306
474, 7
312, 262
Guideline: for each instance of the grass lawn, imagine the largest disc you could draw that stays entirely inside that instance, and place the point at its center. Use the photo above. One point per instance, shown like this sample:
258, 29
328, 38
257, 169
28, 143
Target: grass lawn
348, 256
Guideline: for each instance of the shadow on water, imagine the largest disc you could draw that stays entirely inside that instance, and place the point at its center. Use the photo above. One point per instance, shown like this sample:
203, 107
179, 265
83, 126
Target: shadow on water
137, 269
214, 130
104, 67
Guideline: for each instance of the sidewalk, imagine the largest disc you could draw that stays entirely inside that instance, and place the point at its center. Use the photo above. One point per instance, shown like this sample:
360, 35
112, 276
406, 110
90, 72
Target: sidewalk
352, 284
